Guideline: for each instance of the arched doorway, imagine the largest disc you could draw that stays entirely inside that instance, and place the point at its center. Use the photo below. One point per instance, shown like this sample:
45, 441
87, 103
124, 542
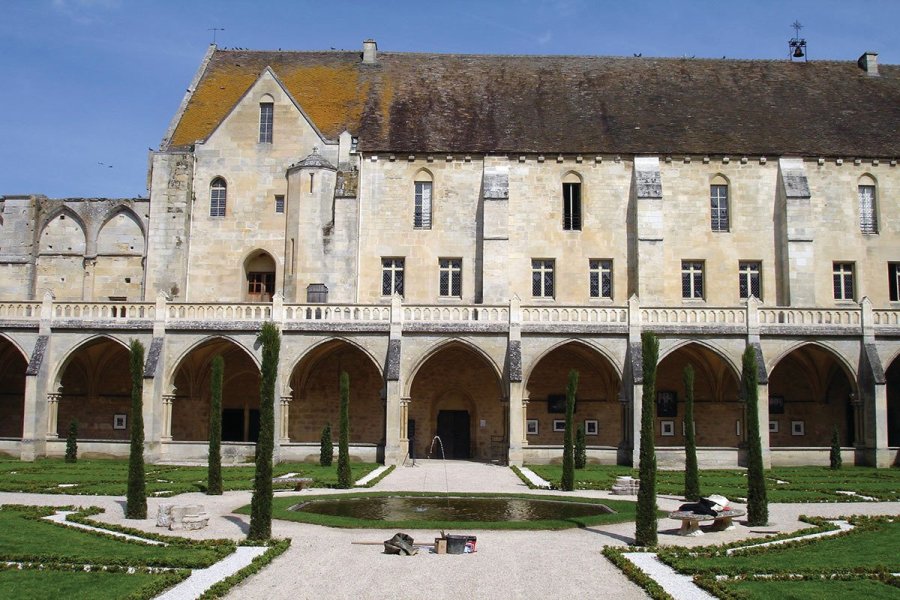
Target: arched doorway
719, 419
12, 389
597, 405
456, 395
240, 393
95, 388
810, 393
259, 274
315, 382
893, 402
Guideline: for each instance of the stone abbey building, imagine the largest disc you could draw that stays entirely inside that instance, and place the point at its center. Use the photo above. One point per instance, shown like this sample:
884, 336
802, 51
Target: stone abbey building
457, 232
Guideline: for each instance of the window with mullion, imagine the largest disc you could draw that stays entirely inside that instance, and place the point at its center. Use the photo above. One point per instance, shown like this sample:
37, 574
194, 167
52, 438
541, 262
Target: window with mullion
542, 278
422, 211
842, 278
692, 280
749, 280
718, 200
266, 118
218, 195
572, 206
391, 276
600, 280
868, 220
450, 277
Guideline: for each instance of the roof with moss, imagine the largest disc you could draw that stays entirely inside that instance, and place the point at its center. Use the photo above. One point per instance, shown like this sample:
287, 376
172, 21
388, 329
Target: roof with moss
409, 102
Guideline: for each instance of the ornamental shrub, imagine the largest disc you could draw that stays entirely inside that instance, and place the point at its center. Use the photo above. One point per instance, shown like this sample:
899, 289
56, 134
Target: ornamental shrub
72, 443
136, 505
214, 469
261, 504
568, 467
691, 472
580, 448
345, 478
326, 447
835, 456
757, 504
646, 518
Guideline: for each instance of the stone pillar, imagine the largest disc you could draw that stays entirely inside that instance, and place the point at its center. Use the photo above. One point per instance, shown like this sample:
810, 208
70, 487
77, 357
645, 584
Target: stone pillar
637, 392
797, 235
87, 290
632, 386
649, 222
762, 411
32, 437
518, 415
167, 405
52, 415
285, 420
394, 452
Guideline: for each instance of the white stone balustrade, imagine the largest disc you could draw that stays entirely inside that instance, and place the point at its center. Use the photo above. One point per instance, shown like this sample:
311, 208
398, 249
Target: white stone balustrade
844, 317
337, 312
574, 314
693, 316
480, 313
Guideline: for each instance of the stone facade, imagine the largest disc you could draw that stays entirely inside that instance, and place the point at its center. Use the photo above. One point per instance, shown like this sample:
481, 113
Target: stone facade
288, 181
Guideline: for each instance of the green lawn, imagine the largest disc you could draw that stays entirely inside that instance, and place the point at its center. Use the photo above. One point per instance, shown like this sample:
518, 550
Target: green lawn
871, 589
41, 584
870, 548
25, 538
109, 477
802, 484
280, 509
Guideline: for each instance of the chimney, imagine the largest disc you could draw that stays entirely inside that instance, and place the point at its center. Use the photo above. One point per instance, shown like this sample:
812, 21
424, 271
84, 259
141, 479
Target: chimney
868, 62
370, 52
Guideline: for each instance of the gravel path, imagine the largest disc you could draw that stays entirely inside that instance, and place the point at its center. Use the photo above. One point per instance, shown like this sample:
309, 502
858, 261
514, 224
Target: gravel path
680, 587
203, 579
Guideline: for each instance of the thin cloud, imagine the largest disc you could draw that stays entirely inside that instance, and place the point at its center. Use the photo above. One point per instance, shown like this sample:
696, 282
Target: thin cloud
545, 38
84, 12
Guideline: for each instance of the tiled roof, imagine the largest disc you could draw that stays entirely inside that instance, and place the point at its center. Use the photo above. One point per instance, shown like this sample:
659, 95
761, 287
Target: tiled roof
560, 104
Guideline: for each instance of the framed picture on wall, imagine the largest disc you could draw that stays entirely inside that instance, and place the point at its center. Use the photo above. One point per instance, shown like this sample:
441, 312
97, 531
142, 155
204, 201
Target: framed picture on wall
773, 426
776, 405
120, 421
531, 427
591, 427
559, 424
666, 404
667, 428
798, 428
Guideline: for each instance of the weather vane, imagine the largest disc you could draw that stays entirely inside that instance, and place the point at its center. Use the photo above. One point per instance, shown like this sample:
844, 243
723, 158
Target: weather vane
797, 45
214, 30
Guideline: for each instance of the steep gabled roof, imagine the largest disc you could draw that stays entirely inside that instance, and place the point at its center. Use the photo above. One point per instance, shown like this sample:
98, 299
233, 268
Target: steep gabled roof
561, 104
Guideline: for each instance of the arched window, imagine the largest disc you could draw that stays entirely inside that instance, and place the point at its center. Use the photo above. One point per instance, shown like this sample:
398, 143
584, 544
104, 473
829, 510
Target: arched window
218, 194
423, 194
718, 204
266, 119
868, 214
571, 191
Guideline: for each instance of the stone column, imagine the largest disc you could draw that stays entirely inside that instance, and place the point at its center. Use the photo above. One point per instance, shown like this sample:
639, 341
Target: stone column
394, 452
52, 415
762, 412
518, 415
167, 402
285, 420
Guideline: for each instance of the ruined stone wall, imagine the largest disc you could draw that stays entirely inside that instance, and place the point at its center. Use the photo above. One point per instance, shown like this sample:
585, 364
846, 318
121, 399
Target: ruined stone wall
17, 243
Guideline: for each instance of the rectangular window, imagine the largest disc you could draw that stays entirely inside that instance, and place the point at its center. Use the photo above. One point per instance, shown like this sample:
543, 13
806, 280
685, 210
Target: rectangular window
894, 281
843, 281
266, 115
718, 200
691, 279
572, 206
391, 276
600, 279
868, 220
542, 278
422, 215
748, 280
451, 277
279, 203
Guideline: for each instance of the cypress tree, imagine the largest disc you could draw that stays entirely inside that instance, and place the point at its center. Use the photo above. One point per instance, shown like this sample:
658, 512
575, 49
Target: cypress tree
72, 443
261, 503
345, 478
646, 519
835, 456
214, 470
691, 474
757, 504
136, 506
568, 471
580, 448
326, 447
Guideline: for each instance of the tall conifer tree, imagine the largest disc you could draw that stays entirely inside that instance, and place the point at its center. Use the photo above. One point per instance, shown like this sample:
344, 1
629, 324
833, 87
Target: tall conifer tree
757, 504
646, 518
691, 472
136, 499
345, 478
214, 469
568, 473
261, 503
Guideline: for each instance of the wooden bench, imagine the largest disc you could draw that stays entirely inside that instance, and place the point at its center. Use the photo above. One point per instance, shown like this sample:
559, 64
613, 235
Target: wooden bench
690, 521
300, 483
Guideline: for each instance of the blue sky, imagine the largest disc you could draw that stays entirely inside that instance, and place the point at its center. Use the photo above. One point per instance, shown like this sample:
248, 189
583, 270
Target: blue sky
90, 85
